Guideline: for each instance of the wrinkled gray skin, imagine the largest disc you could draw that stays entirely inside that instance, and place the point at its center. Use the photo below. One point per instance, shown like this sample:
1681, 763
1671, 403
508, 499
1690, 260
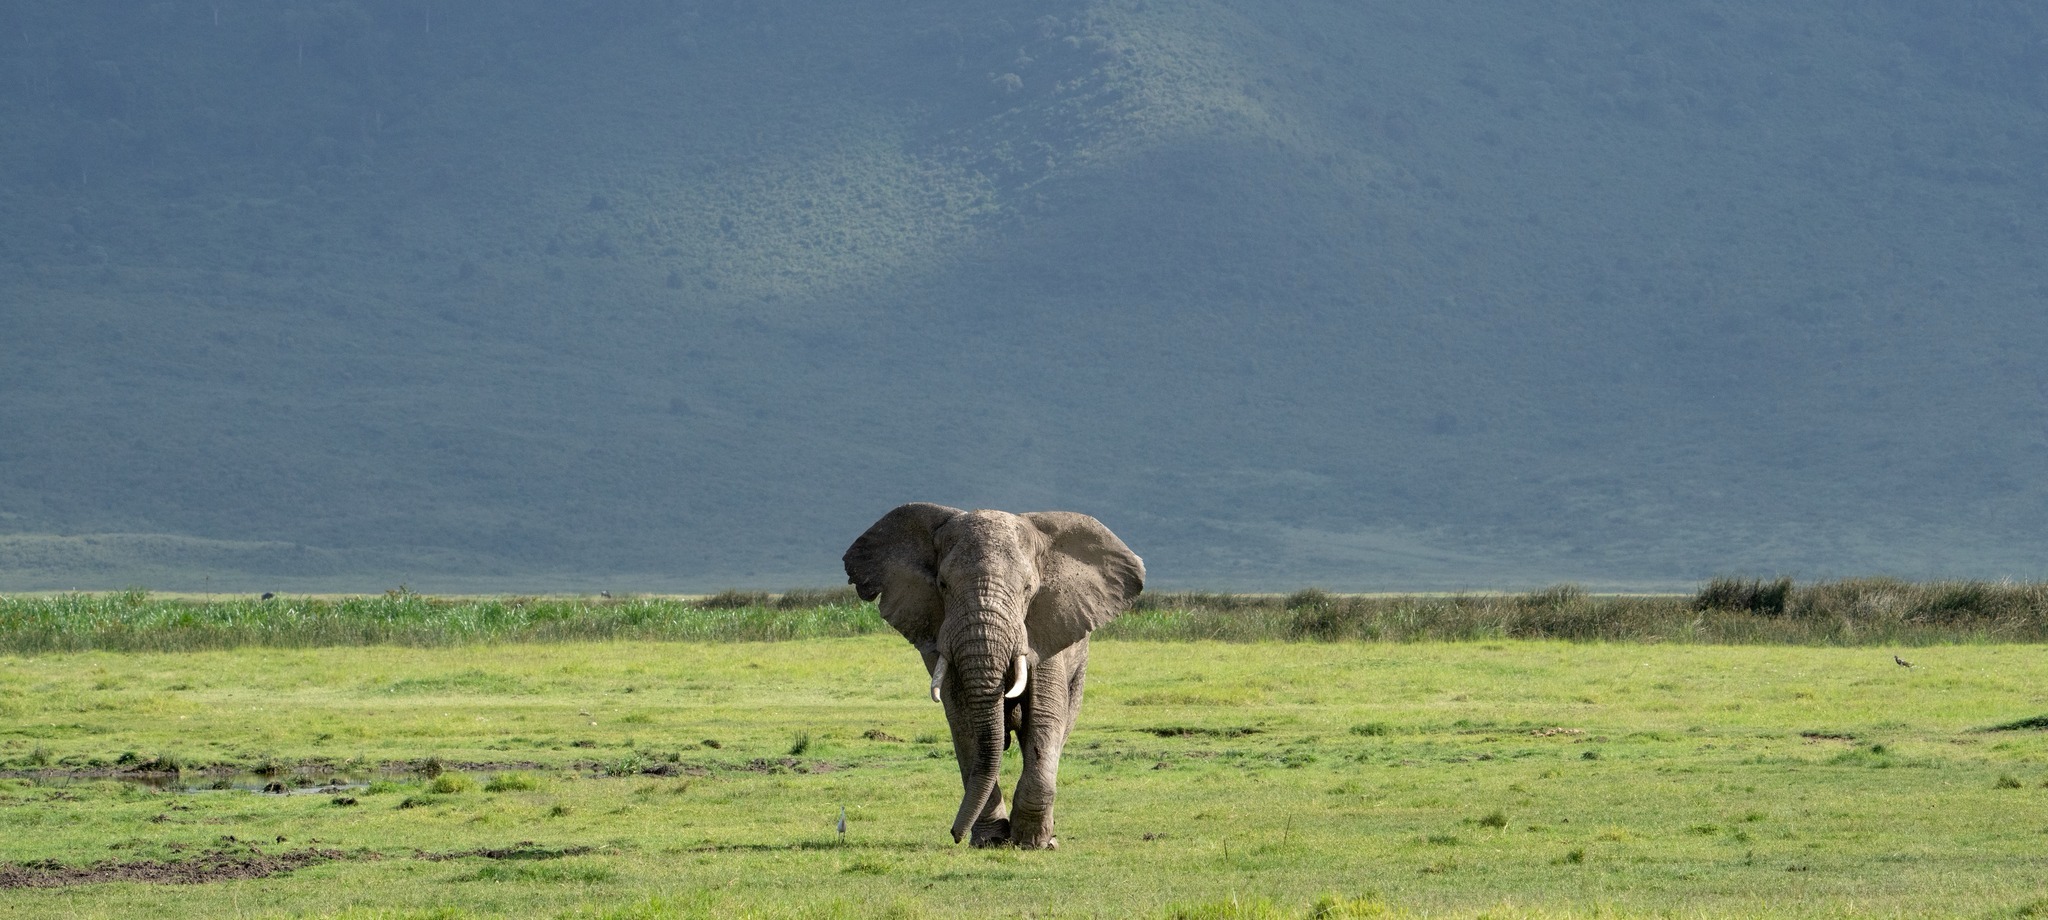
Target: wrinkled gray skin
978, 589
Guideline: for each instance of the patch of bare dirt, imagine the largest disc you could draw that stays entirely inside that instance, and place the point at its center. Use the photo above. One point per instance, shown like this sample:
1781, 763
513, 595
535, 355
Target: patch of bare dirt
150, 773
234, 860
211, 866
524, 849
674, 769
789, 765
1180, 731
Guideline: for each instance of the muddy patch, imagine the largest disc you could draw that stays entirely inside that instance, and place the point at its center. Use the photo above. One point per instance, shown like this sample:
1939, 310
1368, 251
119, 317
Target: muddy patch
524, 849
195, 781
212, 866
596, 769
1178, 731
316, 777
2036, 723
238, 860
789, 765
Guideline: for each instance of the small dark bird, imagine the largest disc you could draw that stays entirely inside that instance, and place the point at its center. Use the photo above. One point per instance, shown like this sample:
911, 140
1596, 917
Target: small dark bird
607, 595
1902, 662
267, 595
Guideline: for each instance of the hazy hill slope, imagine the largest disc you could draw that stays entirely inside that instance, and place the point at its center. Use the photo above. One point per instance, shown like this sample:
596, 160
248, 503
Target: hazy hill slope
684, 294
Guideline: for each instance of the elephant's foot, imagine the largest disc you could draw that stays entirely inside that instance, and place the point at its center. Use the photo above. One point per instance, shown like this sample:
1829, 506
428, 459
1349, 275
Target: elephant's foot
992, 833
1032, 833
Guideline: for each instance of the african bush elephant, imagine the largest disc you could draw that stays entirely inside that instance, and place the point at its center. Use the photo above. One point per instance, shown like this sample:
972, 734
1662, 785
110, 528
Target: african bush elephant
1000, 605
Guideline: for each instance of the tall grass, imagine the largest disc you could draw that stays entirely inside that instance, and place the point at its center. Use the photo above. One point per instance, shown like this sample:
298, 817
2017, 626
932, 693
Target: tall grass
1862, 611
134, 621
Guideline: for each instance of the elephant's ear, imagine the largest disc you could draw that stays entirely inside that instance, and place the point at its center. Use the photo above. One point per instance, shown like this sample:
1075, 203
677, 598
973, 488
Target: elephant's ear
896, 561
1088, 577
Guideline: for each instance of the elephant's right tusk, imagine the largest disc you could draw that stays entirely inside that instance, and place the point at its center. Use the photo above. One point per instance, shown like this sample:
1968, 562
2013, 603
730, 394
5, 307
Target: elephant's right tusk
938, 674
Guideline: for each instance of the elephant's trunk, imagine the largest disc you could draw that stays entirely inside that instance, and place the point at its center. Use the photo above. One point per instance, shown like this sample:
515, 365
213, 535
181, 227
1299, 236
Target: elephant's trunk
981, 698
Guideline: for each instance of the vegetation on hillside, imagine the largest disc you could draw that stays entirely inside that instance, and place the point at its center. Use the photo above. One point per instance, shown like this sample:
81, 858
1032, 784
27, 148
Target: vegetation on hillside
670, 294
1852, 612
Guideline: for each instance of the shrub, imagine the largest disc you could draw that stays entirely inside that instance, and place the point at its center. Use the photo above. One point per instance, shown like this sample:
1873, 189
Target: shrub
734, 599
161, 763
1332, 907
1864, 602
1855, 600
1552, 598
450, 784
1323, 616
1308, 599
803, 598
1960, 598
1565, 612
1203, 600
1752, 595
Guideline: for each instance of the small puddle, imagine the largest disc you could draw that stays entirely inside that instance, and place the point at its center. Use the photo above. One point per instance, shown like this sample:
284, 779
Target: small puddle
322, 782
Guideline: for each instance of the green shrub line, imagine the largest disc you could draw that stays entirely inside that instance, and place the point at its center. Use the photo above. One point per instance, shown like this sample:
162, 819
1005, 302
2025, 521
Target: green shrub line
1738, 611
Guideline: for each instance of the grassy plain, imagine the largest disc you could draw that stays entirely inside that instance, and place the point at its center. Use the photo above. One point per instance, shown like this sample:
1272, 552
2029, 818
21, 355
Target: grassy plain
1505, 778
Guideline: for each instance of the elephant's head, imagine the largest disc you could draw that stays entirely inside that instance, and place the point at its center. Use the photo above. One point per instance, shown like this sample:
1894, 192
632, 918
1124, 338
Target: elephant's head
986, 595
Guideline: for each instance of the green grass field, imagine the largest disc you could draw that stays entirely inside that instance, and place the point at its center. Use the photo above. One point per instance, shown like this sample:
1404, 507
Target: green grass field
1207, 779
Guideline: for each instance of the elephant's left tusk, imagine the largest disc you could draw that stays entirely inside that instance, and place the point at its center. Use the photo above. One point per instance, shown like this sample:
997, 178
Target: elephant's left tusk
1023, 673
938, 674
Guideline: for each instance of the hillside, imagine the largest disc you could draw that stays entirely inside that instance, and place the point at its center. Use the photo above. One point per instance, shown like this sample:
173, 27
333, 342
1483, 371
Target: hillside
668, 295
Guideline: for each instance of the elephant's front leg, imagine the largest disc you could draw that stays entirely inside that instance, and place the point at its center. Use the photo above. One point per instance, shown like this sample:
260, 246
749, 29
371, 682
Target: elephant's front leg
992, 826
1055, 700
